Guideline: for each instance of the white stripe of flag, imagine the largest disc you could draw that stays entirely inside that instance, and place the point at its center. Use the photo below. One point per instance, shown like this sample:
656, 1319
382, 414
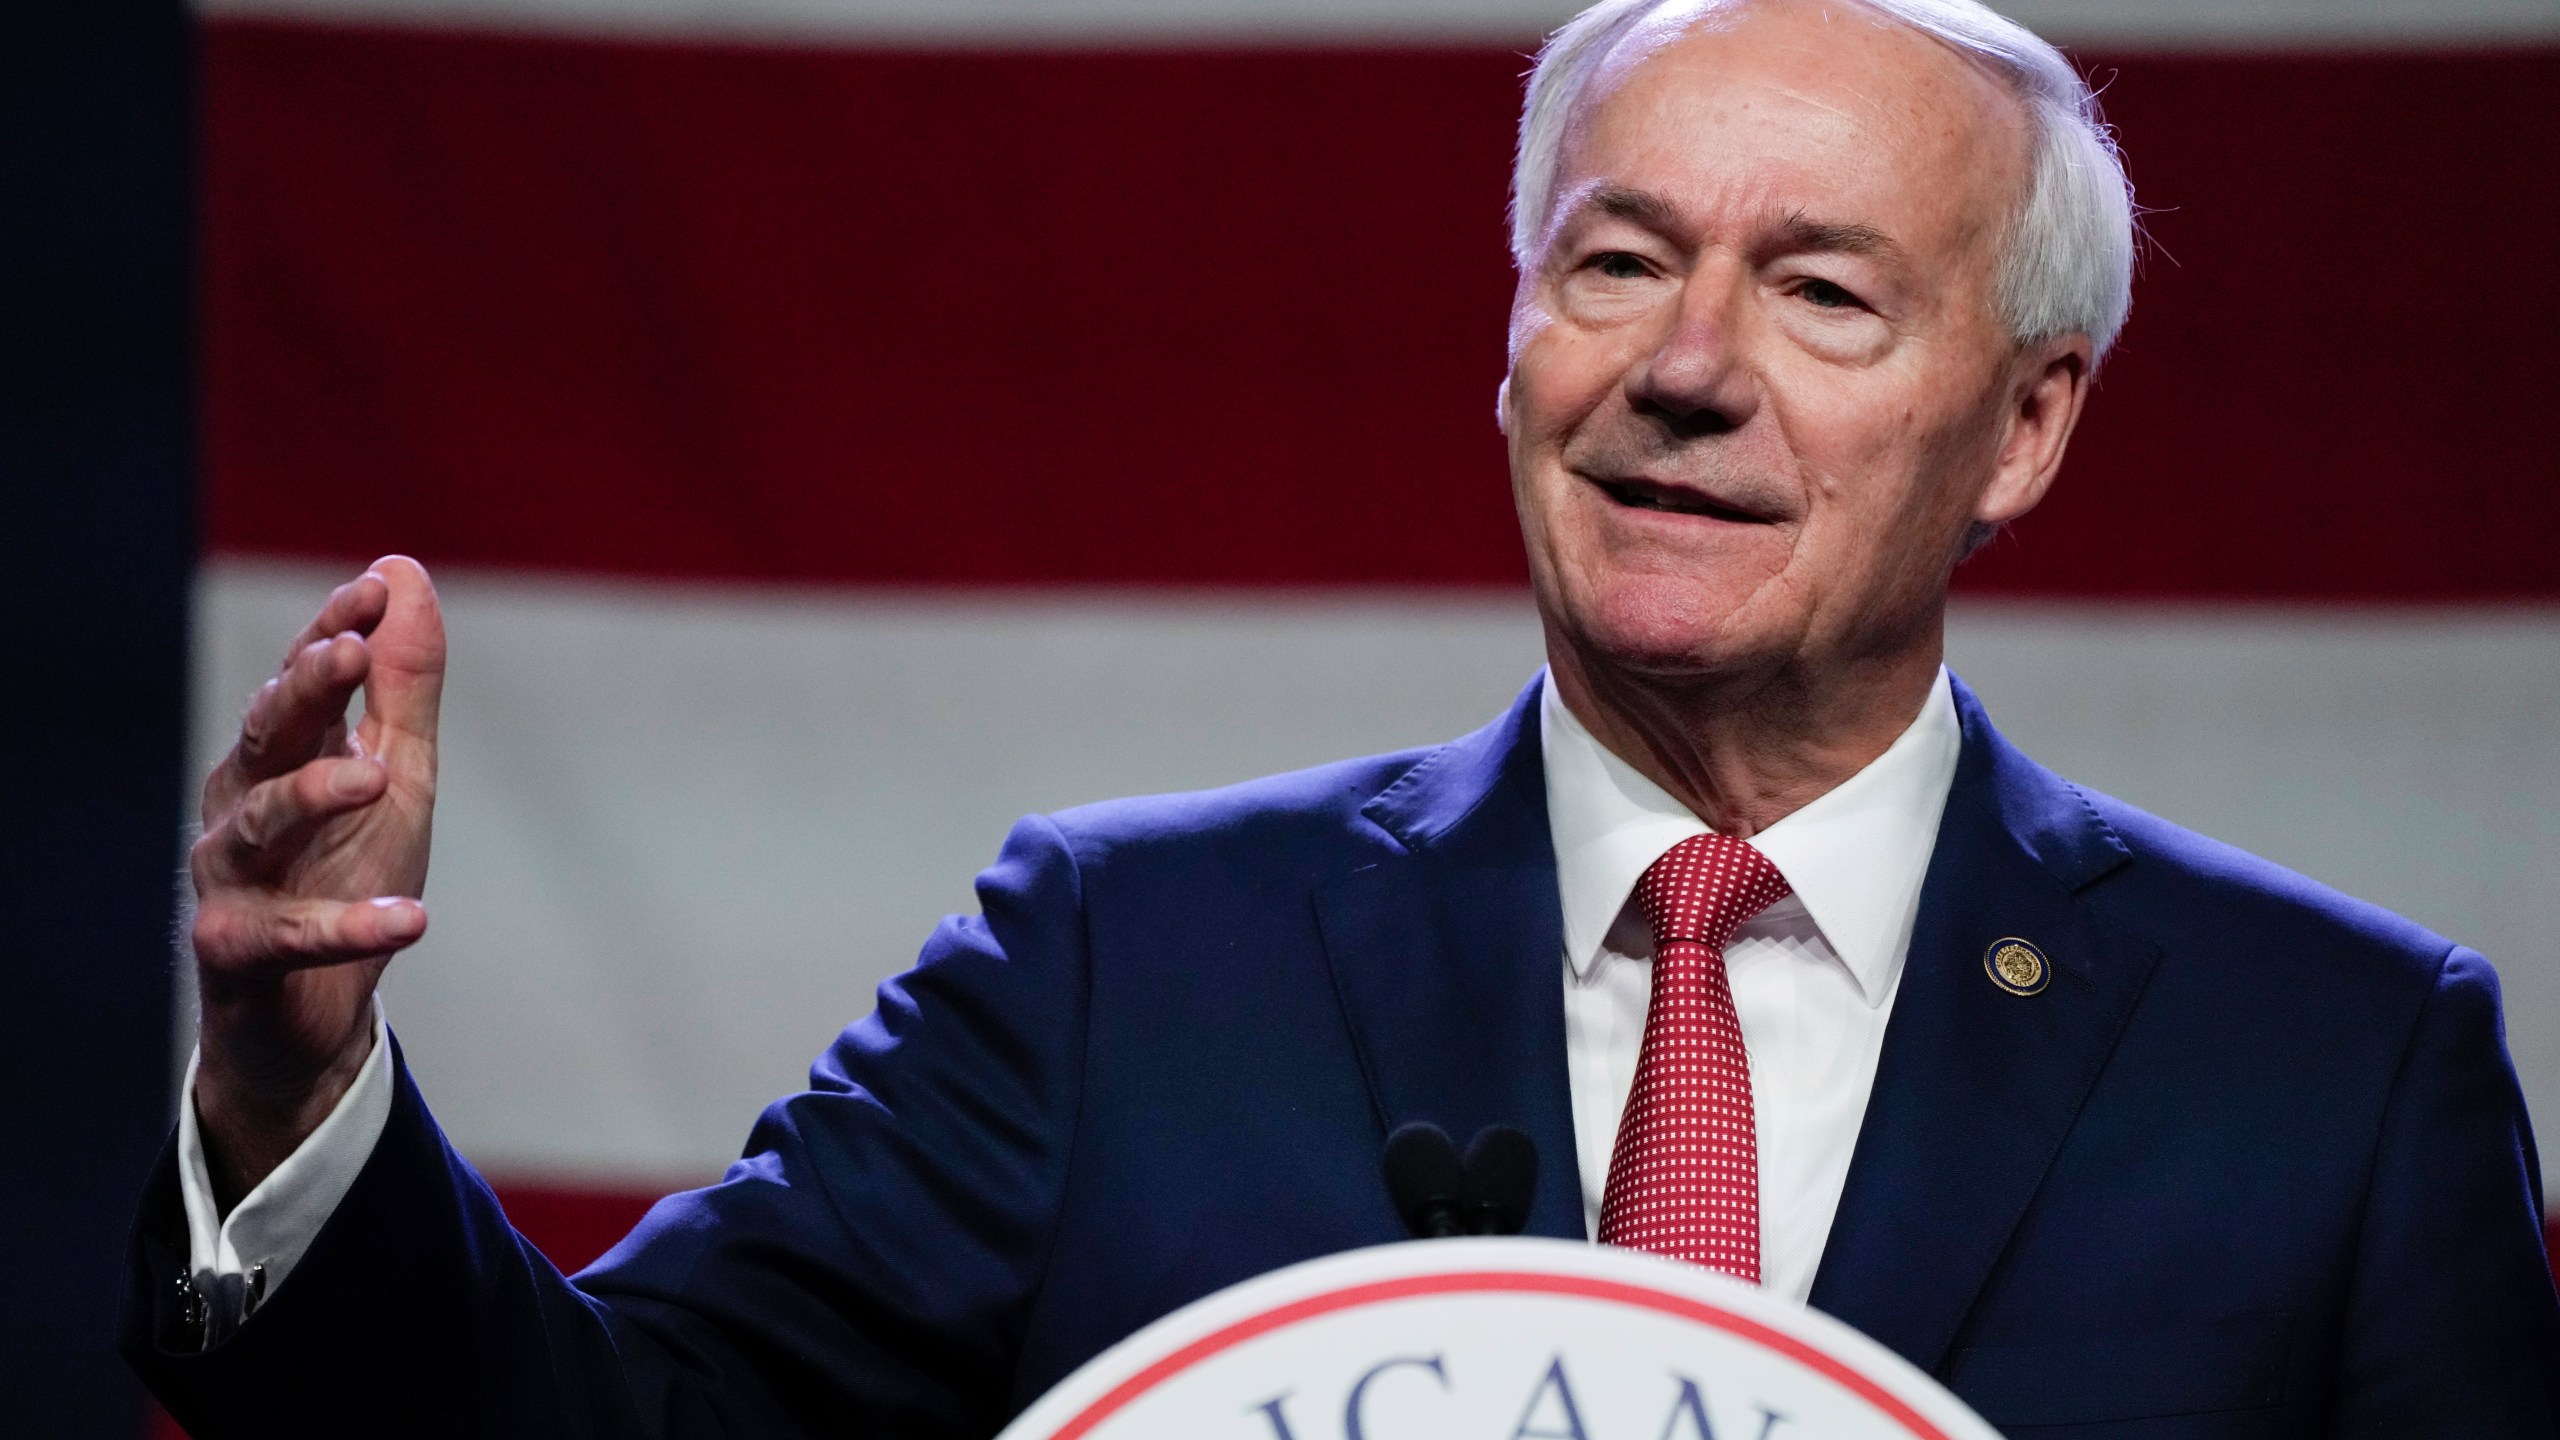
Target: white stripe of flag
684, 831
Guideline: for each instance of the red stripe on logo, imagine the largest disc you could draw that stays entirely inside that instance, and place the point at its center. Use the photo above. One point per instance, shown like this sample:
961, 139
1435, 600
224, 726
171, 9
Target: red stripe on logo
1497, 1282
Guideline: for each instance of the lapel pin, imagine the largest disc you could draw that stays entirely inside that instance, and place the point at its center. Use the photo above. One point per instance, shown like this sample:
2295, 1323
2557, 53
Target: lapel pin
2016, 966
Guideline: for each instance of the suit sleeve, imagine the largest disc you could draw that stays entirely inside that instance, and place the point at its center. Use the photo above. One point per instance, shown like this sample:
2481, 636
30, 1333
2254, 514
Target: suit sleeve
863, 1271
2452, 1327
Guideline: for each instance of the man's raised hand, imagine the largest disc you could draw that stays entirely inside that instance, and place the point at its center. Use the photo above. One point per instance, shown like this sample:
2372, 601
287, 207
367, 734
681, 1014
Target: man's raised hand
308, 873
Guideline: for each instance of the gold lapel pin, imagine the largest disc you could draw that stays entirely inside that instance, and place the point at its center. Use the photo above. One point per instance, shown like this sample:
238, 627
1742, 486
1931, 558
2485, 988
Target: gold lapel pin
2016, 966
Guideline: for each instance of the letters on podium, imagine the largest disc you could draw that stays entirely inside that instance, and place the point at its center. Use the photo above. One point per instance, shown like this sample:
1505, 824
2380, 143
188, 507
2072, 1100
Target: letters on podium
1497, 1339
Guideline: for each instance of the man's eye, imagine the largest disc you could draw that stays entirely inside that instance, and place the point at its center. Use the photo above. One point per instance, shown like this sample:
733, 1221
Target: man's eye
1827, 295
1618, 265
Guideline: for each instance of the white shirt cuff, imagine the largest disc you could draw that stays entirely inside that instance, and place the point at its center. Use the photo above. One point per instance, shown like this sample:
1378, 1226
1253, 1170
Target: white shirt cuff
277, 1221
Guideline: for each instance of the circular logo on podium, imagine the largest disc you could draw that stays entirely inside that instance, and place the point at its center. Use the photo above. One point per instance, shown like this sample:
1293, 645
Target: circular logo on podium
1498, 1339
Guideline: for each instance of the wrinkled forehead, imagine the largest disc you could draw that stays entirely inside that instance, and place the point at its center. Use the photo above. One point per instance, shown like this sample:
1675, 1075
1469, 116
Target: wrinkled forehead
1807, 101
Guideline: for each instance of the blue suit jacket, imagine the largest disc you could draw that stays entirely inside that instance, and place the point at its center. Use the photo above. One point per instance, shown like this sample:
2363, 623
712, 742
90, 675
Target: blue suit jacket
2253, 1163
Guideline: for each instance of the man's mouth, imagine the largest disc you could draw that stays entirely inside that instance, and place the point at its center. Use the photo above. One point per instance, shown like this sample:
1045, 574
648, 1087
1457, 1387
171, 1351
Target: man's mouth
1641, 494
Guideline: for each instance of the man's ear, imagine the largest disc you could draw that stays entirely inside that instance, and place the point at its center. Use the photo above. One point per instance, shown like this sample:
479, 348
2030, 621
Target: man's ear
2049, 385
1502, 407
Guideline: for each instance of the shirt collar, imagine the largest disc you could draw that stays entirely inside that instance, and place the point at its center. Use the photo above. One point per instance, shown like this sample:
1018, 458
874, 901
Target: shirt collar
1856, 855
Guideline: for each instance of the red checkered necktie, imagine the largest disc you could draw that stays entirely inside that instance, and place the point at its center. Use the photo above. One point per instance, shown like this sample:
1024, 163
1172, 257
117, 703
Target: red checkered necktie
1684, 1180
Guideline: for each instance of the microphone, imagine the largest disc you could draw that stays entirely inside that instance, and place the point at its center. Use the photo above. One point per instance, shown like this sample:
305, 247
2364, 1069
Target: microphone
1437, 1194
1427, 1181
1502, 1180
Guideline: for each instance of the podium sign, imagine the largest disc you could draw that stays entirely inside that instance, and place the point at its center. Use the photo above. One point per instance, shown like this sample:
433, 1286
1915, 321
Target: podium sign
1496, 1340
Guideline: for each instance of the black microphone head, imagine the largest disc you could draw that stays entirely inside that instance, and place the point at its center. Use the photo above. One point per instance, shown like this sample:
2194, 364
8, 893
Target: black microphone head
1426, 1180
1502, 1179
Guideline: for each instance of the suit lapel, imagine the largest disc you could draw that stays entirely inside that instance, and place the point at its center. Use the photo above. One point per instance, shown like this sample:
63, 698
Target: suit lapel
1446, 948
1977, 1087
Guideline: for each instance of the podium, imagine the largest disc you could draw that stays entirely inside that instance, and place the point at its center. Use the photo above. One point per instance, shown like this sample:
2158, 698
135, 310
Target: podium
1497, 1339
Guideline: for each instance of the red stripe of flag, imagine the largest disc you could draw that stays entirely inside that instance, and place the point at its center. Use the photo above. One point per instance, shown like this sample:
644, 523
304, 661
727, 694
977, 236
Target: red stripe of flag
1236, 317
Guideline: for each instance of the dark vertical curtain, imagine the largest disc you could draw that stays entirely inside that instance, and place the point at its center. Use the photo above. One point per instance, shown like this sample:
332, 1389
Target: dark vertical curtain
97, 532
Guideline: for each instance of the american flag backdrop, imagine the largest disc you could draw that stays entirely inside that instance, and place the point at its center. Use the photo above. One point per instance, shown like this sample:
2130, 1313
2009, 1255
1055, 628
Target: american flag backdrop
840, 426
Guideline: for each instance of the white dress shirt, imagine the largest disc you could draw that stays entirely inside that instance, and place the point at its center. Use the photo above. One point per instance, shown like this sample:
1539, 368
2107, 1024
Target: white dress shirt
1813, 981
280, 1217
1813, 976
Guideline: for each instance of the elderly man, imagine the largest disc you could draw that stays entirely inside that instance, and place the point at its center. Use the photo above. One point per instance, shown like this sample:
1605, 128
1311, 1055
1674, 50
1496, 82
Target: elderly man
2117, 1131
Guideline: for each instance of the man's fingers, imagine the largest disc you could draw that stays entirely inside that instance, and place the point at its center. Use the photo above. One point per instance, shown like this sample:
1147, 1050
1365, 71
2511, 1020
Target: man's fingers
292, 712
356, 605
241, 931
276, 817
277, 732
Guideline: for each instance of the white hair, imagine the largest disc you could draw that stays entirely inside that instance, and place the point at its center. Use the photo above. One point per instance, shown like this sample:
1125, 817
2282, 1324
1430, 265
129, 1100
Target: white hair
2066, 265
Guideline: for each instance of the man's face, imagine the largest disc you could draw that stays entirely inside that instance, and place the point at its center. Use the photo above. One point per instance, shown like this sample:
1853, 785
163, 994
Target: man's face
1759, 393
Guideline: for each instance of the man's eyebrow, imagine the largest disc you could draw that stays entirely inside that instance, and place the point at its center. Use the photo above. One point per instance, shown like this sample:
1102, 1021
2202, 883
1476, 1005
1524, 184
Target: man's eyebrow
1800, 235
1637, 207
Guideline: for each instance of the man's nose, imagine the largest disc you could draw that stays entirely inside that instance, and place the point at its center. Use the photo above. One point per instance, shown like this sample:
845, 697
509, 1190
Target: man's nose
1695, 381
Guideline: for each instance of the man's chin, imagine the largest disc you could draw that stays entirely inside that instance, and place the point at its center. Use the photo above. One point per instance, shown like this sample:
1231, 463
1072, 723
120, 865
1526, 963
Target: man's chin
1640, 632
